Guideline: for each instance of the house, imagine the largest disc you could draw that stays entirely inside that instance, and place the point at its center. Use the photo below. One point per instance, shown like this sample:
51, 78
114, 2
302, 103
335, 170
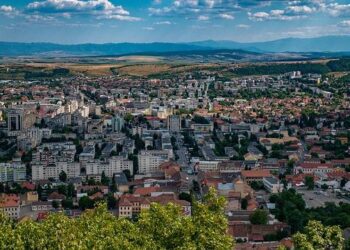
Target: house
56, 197
121, 182
272, 185
131, 204
10, 205
124, 208
255, 175
32, 197
247, 232
41, 206
313, 168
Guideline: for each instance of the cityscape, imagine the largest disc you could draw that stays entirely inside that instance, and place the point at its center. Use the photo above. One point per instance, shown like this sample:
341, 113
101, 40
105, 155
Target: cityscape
174, 144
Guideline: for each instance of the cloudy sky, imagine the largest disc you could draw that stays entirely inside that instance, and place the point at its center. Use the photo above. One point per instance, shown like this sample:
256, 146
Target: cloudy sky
101, 21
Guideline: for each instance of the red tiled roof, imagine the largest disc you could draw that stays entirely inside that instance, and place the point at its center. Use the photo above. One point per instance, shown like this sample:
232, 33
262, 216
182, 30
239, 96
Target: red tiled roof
143, 191
9, 200
315, 165
28, 185
56, 196
260, 173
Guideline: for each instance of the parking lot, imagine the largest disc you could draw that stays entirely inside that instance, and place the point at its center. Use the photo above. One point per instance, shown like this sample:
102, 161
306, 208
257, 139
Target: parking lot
317, 198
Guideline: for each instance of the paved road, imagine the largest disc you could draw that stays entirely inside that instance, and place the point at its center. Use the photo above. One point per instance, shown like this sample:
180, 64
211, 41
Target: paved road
315, 198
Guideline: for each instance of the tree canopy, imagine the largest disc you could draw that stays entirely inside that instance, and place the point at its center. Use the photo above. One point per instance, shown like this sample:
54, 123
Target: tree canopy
317, 236
160, 227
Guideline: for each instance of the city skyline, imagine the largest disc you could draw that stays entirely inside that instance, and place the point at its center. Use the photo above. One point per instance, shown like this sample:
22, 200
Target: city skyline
103, 21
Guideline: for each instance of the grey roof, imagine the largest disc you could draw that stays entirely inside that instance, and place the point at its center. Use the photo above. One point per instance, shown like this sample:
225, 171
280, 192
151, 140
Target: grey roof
120, 179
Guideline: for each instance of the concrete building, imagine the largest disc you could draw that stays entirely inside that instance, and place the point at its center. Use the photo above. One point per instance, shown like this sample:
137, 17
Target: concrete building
207, 166
19, 119
272, 185
149, 160
44, 172
117, 123
12, 172
174, 123
10, 205
116, 164
255, 175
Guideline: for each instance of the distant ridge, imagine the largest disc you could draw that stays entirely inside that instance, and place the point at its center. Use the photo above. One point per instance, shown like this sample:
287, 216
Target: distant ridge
317, 44
30, 49
331, 44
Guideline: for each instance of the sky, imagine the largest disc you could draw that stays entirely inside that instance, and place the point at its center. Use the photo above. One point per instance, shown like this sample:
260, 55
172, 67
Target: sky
110, 21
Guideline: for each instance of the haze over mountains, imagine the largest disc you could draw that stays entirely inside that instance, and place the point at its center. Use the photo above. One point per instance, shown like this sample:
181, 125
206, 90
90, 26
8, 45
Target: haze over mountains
332, 44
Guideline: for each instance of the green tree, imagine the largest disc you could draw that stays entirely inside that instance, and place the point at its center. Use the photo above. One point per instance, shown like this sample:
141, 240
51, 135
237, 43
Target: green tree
185, 196
63, 176
324, 187
244, 204
259, 217
67, 204
70, 190
104, 179
55, 204
85, 202
160, 227
309, 182
127, 174
210, 223
111, 201
62, 189
347, 244
318, 236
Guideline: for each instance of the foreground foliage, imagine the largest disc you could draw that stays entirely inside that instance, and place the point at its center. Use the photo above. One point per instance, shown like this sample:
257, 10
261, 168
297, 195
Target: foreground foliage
161, 227
317, 236
291, 208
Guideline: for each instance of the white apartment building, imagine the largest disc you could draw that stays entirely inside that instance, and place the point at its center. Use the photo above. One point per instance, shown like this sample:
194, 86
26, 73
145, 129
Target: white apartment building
208, 165
88, 154
114, 165
35, 135
12, 172
272, 185
44, 172
149, 160
174, 123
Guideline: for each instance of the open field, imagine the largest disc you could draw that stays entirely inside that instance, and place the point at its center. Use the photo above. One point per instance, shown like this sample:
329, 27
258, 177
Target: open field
155, 67
141, 66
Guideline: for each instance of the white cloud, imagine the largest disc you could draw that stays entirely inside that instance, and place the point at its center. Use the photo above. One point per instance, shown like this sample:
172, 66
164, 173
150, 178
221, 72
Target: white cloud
39, 18
278, 14
148, 28
203, 18
210, 3
159, 11
345, 24
8, 10
210, 8
163, 23
258, 16
304, 9
336, 9
121, 18
186, 3
243, 26
99, 8
226, 16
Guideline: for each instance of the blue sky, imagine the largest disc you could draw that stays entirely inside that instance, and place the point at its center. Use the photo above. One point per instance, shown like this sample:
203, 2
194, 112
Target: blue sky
102, 21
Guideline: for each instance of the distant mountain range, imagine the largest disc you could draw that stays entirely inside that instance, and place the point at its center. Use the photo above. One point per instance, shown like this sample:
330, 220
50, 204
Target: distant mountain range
318, 44
328, 44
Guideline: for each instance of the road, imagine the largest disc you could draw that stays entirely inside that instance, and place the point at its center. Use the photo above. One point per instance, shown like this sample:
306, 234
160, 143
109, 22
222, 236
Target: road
317, 198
